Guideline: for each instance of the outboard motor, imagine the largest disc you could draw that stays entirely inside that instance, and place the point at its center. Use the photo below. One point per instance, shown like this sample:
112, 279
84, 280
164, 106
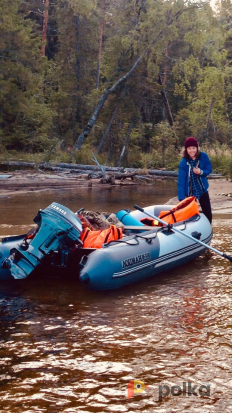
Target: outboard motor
57, 234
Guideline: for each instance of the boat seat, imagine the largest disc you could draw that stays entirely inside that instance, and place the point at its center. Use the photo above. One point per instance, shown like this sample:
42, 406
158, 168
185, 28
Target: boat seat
159, 208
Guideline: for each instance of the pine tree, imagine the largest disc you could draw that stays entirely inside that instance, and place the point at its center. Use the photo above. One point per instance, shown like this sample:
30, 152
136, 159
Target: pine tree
26, 119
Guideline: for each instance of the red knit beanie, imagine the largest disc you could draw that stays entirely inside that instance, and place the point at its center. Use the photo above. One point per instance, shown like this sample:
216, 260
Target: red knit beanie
190, 142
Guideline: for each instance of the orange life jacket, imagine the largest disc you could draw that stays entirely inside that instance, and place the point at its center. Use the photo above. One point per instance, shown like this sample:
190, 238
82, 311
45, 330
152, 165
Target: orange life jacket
95, 239
183, 210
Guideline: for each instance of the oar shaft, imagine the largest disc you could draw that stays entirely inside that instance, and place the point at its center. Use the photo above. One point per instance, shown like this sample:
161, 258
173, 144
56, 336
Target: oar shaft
179, 231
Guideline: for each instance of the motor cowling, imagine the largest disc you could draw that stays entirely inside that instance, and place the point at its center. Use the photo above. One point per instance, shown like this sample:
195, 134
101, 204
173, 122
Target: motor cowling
58, 232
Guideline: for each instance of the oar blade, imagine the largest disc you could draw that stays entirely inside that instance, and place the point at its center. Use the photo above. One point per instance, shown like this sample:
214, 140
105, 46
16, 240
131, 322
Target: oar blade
227, 257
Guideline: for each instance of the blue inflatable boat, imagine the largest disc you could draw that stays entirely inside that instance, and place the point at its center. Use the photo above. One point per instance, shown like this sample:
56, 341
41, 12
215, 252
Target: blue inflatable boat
143, 251
146, 252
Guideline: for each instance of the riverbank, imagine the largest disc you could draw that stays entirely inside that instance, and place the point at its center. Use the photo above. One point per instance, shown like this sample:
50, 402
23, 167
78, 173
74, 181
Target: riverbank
220, 192
20, 182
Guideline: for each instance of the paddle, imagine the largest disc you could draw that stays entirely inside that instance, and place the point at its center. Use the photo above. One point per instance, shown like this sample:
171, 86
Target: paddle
183, 233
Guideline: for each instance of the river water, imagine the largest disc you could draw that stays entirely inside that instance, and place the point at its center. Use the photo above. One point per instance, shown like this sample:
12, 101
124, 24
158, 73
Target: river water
65, 349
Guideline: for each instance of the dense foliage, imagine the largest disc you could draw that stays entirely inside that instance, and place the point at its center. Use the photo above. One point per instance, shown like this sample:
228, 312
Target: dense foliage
128, 79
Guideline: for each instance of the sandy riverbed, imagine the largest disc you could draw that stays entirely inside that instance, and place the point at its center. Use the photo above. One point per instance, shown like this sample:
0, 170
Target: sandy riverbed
220, 190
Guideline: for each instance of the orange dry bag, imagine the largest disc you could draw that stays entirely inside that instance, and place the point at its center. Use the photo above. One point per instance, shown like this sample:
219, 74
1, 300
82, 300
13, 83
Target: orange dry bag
183, 210
95, 239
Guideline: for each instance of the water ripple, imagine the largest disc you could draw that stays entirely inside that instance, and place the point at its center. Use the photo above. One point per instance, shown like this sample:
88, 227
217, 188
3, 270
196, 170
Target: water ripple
67, 350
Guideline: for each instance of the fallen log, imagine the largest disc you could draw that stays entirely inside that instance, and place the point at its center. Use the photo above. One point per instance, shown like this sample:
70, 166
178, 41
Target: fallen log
124, 175
110, 176
19, 164
88, 167
118, 173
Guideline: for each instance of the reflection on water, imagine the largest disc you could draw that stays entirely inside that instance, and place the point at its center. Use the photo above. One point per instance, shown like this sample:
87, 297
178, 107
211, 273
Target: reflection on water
18, 211
64, 349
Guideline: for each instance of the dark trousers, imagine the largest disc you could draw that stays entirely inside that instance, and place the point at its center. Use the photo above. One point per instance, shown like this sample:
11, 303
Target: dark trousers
206, 206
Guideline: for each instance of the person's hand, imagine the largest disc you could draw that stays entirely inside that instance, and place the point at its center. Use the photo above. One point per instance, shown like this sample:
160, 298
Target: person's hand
197, 171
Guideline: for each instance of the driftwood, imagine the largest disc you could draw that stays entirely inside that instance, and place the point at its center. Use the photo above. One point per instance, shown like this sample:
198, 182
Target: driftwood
108, 180
101, 167
94, 172
116, 175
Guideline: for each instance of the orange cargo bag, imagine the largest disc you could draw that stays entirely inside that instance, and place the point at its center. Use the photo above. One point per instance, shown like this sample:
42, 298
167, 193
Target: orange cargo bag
183, 210
95, 239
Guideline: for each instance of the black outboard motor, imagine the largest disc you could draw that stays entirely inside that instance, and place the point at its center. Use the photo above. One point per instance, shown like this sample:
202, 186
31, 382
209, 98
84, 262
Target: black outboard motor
58, 233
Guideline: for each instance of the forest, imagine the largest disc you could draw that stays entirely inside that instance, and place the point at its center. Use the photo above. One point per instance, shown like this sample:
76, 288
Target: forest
125, 80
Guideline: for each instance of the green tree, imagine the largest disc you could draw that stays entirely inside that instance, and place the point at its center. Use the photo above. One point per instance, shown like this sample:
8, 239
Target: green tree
202, 79
26, 119
138, 43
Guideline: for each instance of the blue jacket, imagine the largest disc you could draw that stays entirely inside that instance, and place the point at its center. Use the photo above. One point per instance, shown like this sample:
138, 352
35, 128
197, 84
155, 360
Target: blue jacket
184, 172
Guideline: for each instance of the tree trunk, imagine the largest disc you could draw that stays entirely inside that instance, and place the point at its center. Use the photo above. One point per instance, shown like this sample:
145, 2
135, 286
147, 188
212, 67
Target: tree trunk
166, 104
79, 142
125, 144
78, 51
100, 42
45, 25
107, 129
210, 115
81, 139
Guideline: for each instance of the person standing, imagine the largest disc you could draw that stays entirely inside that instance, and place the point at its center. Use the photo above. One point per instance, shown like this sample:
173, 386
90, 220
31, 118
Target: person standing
194, 168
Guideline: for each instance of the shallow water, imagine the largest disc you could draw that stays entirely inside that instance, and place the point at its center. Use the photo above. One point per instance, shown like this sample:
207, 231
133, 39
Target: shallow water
64, 349
17, 212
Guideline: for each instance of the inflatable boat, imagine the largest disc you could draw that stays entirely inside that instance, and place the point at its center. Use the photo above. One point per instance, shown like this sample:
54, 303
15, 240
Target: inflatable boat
143, 251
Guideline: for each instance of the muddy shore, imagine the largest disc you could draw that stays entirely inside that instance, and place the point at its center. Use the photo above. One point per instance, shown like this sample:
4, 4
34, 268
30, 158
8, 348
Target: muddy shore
20, 182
